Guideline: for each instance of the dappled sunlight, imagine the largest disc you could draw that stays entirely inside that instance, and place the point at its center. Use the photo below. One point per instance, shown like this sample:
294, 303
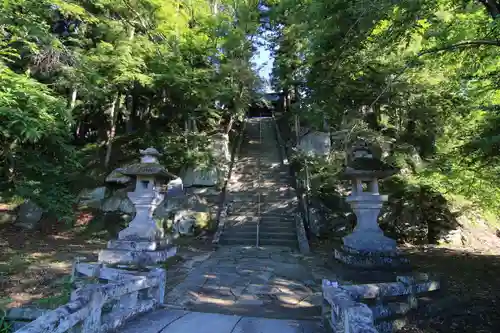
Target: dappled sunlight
266, 281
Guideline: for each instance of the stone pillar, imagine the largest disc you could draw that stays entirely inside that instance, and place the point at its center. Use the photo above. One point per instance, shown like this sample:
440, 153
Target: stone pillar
143, 242
367, 235
367, 246
146, 197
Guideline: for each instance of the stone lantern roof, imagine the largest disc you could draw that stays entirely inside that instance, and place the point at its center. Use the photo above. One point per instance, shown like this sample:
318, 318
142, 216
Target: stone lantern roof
369, 167
148, 166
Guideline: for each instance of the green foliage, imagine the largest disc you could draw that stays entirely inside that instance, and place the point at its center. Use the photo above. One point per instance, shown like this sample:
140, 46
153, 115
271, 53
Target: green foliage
79, 74
420, 74
5, 327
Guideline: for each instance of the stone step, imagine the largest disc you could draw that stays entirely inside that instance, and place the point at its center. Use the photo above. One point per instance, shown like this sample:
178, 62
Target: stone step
249, 192
277, 204
237, 233
271, 212
255, 308
271, 229
279, 242
264, 221
264, 227
233, 240
237, 240
254, 216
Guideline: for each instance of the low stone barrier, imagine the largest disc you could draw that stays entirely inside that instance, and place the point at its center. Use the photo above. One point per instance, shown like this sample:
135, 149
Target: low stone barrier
20, 317
300, 216
96, 307
224, 204
373, 308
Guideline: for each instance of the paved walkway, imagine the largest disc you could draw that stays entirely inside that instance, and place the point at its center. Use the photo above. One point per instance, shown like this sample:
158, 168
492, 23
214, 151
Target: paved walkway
271, 282
241, 288
263, 205
177, 321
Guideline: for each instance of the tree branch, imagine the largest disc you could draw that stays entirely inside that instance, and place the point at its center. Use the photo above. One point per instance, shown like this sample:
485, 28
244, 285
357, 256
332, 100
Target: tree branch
469, 43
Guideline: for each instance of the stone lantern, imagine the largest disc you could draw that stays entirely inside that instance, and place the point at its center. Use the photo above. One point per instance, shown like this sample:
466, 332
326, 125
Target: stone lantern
367, 246
143, 242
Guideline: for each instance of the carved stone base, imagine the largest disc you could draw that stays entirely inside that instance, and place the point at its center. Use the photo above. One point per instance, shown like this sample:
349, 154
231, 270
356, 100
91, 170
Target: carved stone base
371, 259
137, 253
140, 245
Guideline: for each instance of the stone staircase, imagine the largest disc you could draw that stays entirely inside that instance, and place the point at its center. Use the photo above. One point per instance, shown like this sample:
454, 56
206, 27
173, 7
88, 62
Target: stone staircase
263, 205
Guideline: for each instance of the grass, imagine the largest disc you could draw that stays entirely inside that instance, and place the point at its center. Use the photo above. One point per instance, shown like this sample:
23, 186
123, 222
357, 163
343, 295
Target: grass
62, 297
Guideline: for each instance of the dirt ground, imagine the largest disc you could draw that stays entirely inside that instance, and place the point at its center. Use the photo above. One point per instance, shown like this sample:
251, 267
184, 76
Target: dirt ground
33, 266
470, 295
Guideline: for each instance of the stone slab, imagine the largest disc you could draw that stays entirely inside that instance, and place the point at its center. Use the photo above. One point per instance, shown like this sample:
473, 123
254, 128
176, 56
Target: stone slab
179, 321
145, 245
198, 322
129, 257
264, 325
153, 322
371, 260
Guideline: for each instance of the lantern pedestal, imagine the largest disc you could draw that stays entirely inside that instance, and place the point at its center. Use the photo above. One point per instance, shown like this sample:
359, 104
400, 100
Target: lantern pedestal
143, 242
367, 246
367, 236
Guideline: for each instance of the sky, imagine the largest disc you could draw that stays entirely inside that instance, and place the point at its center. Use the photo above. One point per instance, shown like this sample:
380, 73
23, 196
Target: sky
264, 63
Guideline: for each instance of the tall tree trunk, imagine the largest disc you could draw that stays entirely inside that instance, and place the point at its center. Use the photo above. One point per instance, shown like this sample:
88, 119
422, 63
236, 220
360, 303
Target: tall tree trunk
492, 6
74, 94
229, 124
194, 127
113, 116
297, 128
72, 103
129, 120
215, 7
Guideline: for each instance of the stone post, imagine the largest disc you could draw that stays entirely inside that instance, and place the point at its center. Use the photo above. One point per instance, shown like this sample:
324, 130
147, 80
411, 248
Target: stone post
143, 242
367, 246
367, 235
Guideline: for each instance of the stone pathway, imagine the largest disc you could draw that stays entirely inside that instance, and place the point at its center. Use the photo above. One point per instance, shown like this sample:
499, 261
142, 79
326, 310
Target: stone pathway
177, 321
242, 288
272, 282
263, 205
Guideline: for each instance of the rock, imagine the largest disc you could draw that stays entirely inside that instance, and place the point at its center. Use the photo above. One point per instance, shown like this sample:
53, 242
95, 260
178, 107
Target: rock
29, 215
175, 188
112, 222
455, 238
184, 222
195, 213
315, 144
92, 198
118, 202
219, 146
169, 206
7, 217
117, 177
199, 176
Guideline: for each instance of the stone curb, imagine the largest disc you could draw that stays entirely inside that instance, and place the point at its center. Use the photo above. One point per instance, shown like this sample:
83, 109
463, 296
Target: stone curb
304, 246
222, 212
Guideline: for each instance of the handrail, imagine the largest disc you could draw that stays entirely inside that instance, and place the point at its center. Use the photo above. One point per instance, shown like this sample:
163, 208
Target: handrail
259, 161
344, 311
86, 305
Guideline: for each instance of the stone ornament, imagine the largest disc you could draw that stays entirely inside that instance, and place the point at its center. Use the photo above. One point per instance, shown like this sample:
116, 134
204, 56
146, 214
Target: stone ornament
143, 232
367, 243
